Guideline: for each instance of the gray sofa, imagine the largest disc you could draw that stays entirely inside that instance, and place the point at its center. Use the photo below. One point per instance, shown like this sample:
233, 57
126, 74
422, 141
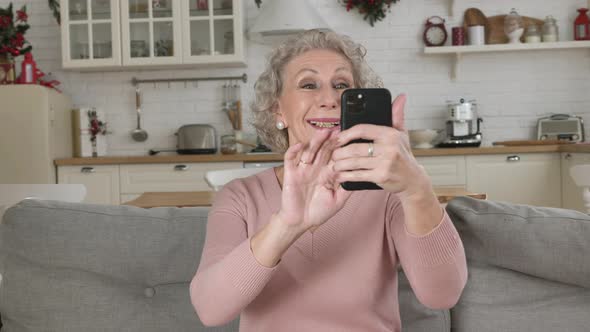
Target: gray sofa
82, 267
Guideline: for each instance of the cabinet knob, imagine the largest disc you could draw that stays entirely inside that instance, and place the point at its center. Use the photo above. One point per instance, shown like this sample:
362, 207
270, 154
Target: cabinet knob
512, 158
87, 170
181, 168
568, 156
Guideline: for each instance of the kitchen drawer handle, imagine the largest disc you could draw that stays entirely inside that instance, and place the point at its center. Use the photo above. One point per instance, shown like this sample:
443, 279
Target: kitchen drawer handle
87, 170
512, 158
181, 168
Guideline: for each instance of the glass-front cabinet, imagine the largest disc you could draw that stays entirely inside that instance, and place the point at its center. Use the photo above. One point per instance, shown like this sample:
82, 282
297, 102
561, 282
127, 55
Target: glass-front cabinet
151, 32
90, 33
144, 33
212, 31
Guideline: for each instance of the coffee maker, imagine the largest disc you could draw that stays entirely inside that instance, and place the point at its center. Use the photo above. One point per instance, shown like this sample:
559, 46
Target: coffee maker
462, 125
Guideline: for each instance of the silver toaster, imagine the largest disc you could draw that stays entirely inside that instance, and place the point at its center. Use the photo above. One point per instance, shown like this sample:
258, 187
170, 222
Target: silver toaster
561, 127
196, 139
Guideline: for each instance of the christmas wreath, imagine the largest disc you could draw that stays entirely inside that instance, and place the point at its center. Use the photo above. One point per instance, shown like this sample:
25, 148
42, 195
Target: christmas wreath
373, 10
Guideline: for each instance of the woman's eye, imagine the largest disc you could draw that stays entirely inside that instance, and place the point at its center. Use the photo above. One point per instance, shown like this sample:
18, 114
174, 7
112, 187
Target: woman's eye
341, 86
308, 86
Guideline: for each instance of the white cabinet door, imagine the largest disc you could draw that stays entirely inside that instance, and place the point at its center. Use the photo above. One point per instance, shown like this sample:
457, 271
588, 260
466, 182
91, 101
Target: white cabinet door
169, 177
445, 171
90, 34
212, 31
527, 178
151, 32
101, 181
571, 193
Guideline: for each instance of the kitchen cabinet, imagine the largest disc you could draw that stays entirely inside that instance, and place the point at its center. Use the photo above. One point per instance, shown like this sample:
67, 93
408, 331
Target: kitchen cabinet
212, 33
144, 33
137, 179
571, 193
446, 171
90, 33
150, 32
101, 181
115, 184
526, 178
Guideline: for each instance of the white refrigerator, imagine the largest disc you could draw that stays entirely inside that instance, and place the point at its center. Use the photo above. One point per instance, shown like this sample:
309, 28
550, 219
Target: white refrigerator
35, 129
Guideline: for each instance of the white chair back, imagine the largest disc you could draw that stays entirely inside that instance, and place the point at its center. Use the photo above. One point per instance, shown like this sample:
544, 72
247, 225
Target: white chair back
217, 179
581, 176
11, 194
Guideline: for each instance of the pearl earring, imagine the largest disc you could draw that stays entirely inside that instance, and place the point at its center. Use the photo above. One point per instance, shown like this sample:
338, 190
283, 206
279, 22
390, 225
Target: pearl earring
280, 125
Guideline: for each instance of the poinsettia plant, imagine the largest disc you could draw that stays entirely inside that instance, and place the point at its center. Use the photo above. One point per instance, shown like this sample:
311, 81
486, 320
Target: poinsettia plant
12, 32
95, 126
373, 10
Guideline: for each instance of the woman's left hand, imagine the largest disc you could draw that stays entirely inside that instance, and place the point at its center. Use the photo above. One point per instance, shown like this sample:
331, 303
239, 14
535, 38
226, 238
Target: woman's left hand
392, 165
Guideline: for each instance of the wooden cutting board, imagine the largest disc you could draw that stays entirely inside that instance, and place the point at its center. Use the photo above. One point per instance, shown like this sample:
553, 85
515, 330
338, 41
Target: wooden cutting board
495, 28
531, 142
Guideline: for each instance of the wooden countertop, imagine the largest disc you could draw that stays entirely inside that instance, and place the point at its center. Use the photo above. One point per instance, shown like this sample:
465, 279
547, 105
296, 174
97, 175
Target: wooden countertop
174, 158
205, 198
573, 148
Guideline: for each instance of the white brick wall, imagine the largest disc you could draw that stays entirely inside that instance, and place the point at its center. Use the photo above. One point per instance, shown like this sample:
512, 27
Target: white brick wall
512, 89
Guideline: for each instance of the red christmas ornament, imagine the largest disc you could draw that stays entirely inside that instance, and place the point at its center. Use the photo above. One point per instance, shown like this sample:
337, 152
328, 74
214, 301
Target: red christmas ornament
29, 73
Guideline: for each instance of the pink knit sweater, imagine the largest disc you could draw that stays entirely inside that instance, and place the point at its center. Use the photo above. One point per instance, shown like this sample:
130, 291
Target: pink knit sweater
341, 277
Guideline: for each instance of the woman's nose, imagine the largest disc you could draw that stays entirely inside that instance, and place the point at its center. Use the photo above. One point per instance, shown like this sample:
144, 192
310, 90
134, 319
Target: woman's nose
329, 98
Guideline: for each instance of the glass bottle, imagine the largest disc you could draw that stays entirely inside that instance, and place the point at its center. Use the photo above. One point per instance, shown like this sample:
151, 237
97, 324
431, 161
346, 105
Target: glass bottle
532, 35
550, 30
513, 27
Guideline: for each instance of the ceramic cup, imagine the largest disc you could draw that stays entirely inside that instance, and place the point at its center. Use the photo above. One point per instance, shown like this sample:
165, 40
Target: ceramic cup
458, 36
476, 35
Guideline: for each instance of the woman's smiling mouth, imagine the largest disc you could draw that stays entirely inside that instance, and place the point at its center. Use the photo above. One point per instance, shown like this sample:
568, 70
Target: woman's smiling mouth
328, 123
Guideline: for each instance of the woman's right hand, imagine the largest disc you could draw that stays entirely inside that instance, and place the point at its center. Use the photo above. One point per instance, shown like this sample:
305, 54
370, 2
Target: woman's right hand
310, 193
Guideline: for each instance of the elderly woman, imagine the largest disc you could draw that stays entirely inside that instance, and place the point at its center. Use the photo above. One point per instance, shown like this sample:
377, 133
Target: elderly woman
289, 249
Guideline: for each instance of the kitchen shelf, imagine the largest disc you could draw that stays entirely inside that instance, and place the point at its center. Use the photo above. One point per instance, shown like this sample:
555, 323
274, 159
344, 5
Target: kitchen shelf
458, 51
506, 47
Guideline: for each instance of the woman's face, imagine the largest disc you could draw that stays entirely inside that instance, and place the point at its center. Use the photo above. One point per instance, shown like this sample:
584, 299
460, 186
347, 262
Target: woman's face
312, 84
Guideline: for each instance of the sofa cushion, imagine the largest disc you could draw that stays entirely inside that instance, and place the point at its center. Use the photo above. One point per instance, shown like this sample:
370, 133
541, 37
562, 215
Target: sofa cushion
528, 267
415, 316
86, 267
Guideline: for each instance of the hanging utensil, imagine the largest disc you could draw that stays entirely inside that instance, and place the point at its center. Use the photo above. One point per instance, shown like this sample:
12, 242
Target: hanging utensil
138, 134
227, 105
237, 107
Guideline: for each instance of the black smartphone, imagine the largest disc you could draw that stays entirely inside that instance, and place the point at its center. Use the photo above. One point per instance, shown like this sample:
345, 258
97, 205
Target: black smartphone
371, 106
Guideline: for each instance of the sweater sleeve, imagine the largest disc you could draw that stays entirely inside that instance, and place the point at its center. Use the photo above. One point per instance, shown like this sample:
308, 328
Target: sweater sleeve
229, 277
434, 264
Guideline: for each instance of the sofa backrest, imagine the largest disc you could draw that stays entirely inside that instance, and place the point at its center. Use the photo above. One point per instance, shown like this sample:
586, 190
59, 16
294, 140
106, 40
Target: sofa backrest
86, 267
529, 267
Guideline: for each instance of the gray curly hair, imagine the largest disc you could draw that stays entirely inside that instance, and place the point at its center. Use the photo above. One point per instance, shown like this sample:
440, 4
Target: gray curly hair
269, 85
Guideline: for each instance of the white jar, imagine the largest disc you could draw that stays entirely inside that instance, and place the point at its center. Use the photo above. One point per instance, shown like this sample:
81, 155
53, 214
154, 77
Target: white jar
550, 30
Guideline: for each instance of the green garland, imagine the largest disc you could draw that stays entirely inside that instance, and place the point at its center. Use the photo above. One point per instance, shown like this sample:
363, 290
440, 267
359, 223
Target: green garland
54, 6
373, 10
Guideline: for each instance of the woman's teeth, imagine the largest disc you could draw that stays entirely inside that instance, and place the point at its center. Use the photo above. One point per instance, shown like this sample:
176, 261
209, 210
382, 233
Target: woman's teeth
325, 124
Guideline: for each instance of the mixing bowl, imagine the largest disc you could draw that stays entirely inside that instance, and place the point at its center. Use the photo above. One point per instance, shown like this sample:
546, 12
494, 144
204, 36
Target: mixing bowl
425, 138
